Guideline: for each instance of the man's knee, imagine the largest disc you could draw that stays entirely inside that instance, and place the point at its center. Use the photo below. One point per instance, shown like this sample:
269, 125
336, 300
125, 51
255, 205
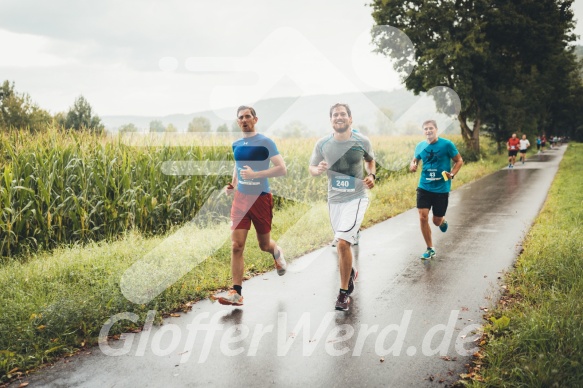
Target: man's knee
343, 244
264, 245
237, 246
437, 221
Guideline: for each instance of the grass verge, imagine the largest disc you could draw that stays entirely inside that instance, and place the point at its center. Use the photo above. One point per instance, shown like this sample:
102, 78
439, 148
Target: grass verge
53, 304
535, 338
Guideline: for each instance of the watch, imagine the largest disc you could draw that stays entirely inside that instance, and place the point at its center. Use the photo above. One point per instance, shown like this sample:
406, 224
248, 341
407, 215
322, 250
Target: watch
373, 176
452, 176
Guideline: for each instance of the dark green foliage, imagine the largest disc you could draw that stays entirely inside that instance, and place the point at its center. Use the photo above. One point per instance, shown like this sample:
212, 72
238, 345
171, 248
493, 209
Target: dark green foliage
17, 111
509, 61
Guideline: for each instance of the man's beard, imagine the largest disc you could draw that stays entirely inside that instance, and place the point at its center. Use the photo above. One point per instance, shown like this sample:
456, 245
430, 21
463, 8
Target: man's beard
341, 129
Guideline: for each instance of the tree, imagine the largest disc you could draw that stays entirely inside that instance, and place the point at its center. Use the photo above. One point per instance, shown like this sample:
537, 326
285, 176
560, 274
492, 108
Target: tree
171, 128
156, 126
80, 117
235, 127
222, 128
128, 128
18, 110
478, 48
199, 124
294, 129
532, 37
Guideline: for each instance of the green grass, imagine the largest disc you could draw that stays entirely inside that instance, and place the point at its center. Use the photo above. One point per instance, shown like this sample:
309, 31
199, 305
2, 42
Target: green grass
542, 346
53, 303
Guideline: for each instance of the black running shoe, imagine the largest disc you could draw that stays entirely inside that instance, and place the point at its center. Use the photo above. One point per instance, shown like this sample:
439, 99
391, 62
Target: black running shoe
342, 302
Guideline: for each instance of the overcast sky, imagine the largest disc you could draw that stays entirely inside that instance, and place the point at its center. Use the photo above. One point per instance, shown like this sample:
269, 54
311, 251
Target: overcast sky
153, 57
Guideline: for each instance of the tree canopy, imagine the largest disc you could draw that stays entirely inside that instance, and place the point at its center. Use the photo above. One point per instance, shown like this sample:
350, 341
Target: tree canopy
199, 124
509, 61
80, 117
18, 111
157, 126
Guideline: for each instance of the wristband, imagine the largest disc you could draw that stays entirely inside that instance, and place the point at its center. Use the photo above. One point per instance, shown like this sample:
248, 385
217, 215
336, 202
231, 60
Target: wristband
373, 176
230, 186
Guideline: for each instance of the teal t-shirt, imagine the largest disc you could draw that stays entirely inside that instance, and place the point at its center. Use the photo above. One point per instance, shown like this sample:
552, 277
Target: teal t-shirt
436, 158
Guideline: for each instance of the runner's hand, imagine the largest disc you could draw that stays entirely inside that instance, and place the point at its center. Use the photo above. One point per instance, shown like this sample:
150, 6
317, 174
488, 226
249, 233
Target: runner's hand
322, 166
229, 189
247, 173
368, 182
413, 166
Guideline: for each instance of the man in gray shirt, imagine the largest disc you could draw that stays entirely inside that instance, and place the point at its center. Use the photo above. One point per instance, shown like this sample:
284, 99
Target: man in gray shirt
341, 155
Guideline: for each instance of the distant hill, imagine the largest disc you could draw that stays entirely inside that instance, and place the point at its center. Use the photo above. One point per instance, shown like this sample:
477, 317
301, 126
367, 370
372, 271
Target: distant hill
407, 113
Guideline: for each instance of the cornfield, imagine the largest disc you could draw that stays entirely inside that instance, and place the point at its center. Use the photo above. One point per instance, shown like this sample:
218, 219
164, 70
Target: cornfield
66, 187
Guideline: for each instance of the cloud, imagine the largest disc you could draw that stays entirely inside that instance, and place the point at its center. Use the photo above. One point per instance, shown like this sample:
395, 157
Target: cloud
132, 56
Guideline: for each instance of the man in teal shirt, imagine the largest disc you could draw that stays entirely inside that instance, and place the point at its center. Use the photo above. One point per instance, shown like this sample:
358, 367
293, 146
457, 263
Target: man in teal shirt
435, 182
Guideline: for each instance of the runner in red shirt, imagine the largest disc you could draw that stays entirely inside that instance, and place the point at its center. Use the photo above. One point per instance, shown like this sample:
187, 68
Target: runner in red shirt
512, 145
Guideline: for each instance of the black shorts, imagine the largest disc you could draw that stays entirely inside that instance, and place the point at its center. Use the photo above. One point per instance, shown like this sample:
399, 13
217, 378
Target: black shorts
523, 151
437, 201
512, 152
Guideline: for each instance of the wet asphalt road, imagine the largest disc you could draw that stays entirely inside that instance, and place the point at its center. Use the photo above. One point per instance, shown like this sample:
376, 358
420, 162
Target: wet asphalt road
411, 321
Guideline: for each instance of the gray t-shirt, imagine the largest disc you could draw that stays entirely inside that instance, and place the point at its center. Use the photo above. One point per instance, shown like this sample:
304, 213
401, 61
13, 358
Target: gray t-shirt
345, 167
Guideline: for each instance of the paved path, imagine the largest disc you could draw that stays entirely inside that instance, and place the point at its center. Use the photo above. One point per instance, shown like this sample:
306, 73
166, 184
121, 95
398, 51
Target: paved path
406, 318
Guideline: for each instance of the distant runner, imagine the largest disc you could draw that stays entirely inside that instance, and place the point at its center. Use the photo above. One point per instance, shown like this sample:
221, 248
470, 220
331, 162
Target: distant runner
524, 144
512, 145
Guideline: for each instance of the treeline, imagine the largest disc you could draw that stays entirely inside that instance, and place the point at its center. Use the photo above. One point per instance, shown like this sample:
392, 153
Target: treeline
18, 111
197, 124
511, 62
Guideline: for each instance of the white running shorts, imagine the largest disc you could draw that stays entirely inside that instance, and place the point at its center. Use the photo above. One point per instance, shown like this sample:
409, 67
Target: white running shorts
346, 218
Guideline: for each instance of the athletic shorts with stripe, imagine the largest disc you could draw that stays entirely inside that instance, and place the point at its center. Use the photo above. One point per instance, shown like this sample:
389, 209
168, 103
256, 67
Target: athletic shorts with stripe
346, 218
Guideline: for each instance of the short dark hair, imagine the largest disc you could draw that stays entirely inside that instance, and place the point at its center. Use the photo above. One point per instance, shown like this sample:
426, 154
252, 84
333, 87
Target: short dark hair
243, 107
338, 105
429, 122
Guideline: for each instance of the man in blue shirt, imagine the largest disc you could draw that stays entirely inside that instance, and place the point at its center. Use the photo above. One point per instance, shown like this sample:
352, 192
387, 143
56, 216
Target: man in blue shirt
256, 159
435, 182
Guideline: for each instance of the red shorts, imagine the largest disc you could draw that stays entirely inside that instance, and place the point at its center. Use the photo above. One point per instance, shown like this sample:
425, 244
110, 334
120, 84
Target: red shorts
249, 208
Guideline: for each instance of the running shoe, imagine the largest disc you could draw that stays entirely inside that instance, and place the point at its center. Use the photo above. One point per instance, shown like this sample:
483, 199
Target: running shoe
443, 226
342, 302
428, 254
352, 280
280, 263
233, 298
334, 243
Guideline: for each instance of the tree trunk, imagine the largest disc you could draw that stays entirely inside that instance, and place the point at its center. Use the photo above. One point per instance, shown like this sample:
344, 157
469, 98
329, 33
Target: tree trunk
471, 136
